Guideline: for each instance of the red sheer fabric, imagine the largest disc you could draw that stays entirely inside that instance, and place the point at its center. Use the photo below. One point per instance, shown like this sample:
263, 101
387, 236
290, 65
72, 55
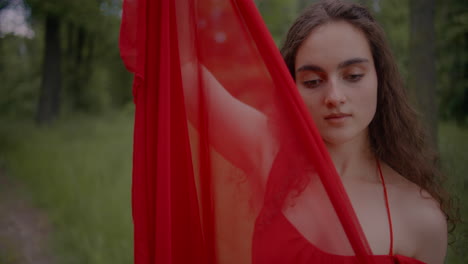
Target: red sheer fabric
228, 166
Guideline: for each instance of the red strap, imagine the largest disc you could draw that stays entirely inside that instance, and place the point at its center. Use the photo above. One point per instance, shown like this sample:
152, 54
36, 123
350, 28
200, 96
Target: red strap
388, 208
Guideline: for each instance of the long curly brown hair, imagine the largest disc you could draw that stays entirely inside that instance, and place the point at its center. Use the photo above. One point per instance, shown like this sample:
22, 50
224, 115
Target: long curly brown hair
396, 135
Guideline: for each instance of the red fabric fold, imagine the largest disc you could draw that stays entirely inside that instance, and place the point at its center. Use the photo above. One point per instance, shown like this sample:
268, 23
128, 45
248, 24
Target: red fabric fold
222, 143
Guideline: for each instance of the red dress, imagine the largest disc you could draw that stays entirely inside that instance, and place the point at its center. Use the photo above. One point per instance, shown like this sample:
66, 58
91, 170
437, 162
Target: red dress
292, 247
280, 242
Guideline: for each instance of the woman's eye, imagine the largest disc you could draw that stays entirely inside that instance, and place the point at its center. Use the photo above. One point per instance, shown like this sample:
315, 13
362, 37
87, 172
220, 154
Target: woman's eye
354, 77
312, 83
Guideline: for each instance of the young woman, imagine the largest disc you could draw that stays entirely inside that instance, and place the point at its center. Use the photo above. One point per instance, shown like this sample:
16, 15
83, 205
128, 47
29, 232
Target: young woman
343, 68
345, 73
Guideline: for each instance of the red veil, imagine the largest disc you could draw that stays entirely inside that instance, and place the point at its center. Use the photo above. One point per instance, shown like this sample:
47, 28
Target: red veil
223, 143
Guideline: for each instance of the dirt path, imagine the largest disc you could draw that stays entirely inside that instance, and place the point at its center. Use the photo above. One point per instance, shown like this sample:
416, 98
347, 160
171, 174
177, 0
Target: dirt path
24, 230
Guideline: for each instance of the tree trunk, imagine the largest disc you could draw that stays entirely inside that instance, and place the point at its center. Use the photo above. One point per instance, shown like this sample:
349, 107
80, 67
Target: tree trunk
76, 87
3, 4
49, 97
421, 68
2, 58
81, 63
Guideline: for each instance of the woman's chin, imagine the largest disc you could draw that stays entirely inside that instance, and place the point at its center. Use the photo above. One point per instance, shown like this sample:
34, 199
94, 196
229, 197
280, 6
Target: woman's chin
339, 139
336, 141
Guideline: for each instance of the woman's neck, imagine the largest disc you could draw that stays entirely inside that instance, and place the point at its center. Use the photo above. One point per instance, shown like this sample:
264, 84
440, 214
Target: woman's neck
353, 159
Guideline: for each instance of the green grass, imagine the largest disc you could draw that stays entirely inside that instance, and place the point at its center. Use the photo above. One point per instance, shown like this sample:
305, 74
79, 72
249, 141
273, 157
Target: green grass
79, 171
453, 142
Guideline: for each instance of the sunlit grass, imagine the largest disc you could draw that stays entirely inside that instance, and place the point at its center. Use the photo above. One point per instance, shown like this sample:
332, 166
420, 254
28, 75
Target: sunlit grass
79, 171
453, 143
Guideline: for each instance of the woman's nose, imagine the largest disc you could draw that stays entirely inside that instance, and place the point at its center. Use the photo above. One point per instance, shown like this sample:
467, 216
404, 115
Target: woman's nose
334, 95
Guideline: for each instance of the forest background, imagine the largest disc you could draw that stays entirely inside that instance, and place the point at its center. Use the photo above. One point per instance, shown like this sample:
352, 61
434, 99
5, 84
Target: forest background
66, 110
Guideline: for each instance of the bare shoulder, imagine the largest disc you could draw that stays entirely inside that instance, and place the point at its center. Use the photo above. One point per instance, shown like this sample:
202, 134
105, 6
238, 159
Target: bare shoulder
420, 224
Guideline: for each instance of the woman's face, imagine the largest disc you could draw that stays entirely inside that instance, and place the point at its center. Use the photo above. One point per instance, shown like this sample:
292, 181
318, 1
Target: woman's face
336, 77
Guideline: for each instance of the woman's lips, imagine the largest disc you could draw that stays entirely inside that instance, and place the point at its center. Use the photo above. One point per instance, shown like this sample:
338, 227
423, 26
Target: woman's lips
337, 118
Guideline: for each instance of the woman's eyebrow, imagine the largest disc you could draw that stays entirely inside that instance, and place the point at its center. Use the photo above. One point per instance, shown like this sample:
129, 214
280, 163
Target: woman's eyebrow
346, 63
310, 67
351, 62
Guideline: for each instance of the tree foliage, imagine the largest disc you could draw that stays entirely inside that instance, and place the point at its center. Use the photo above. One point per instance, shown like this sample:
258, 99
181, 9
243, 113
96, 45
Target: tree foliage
93, 78
278, 15
452, 44
90, 70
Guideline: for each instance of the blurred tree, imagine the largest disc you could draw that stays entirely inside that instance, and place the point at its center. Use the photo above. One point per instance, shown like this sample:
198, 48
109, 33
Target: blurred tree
19, 59
367, 3
278, 15
421, 68
2, 56
452, 47
4, 3
57, 13
394, 18
49, 97
301, 4
87, 30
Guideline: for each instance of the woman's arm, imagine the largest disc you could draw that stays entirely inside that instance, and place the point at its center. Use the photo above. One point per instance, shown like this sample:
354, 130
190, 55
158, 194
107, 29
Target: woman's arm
426, 225
238, 131
434, 237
